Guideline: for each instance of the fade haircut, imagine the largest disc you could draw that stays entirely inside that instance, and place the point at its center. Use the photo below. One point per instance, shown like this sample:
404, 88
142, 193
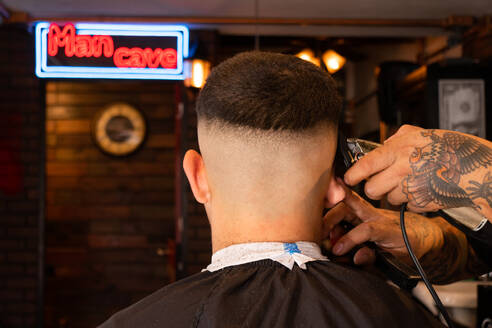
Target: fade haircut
269, 91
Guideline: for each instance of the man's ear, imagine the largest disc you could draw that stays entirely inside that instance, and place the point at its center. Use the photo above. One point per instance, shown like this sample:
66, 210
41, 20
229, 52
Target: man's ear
195, 172
336, 191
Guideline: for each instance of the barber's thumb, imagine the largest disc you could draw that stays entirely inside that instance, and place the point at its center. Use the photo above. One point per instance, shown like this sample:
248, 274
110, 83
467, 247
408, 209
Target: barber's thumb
364, 256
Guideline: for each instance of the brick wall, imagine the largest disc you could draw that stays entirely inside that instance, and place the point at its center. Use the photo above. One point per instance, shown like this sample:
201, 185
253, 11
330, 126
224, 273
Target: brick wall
108, 219
20, 160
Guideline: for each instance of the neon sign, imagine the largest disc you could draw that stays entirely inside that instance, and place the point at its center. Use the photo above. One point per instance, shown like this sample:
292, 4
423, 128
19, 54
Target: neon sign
114, 51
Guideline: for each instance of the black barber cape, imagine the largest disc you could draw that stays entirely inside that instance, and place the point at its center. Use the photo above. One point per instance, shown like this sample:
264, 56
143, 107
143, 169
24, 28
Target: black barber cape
267, 294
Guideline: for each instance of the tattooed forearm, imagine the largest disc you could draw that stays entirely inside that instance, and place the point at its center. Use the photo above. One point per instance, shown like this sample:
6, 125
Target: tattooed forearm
451, 258
439, 168
445, 173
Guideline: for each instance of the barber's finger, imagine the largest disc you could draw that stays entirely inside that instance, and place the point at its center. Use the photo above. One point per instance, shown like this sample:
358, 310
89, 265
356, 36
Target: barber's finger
404, 129
382, 183
335, 215
358, 235
336, 233
359, 206
396, 196
375, 161
365, 256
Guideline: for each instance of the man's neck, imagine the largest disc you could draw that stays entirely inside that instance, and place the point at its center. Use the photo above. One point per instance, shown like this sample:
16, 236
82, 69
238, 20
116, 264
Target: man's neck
286, 230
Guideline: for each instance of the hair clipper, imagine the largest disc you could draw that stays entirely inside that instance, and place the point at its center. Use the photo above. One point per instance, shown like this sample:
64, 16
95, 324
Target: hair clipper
350, 151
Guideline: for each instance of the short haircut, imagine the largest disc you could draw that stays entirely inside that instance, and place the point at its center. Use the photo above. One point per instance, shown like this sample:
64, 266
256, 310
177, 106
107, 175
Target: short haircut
269, 91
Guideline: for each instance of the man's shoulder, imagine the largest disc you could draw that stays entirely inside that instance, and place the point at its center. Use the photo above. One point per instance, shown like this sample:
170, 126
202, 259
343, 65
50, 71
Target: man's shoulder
370, 298
175, 302
267, 294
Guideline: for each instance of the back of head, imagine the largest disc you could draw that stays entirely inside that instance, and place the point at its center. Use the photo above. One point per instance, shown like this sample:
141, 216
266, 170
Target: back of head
267, 131
269, 91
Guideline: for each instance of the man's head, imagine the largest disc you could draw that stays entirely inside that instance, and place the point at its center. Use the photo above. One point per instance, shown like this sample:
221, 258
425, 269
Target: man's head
267, 127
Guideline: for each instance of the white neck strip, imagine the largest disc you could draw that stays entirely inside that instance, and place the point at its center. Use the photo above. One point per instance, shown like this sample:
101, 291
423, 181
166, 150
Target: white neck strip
286, 254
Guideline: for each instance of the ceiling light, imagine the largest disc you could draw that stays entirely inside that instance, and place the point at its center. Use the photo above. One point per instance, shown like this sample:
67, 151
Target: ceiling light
333, 61
308, 55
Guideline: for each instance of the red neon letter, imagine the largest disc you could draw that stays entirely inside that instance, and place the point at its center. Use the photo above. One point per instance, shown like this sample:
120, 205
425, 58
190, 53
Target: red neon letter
169, 58
137, 58
153, 57
57, 38
83, 46
103, 43
121, 56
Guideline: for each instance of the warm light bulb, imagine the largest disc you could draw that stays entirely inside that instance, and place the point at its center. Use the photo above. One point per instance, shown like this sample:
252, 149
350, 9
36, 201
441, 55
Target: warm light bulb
305, 57
333, 61
308, 55
196, 72
333, 64
197, 76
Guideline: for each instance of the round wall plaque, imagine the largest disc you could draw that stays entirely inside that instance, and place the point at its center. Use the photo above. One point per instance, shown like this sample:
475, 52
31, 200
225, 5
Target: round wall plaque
119, 129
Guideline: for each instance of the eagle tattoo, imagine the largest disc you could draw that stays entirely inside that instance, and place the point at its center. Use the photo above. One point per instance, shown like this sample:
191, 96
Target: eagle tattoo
438, 167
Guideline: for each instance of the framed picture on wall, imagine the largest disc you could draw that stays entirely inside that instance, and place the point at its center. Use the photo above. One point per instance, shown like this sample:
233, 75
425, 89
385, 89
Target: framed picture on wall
462, 106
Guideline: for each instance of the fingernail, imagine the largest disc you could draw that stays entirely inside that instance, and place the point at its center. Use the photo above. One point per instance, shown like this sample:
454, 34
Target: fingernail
337, 250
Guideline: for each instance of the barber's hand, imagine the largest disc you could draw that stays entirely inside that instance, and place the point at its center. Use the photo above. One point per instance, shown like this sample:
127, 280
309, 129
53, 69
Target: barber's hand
378, 226
388, 167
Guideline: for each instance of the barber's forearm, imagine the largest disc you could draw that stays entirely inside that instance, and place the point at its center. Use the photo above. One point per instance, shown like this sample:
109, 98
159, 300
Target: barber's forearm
451, 258
461, 167
478, 182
